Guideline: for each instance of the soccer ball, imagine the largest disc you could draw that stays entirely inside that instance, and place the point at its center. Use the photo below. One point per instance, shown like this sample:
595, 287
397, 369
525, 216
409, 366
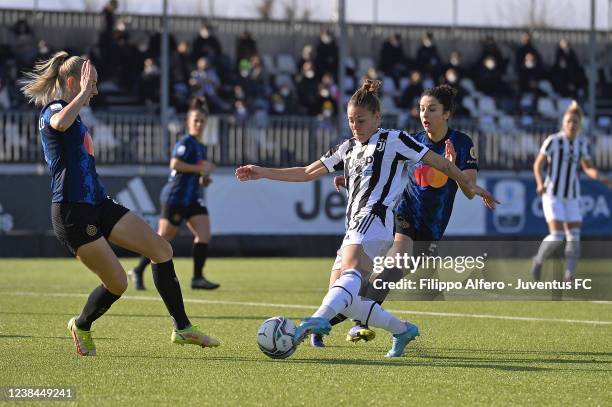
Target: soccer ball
275, 337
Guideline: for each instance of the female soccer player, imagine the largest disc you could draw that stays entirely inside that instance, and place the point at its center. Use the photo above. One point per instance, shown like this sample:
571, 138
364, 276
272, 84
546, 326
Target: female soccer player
426, 205
372, 161
565, 153
182, 198
84, 218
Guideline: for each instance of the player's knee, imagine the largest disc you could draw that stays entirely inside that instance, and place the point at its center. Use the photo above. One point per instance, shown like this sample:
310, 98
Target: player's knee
163, 251
119, 284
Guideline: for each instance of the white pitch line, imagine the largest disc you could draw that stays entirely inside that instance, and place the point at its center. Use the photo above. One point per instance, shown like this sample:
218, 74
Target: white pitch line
297, 306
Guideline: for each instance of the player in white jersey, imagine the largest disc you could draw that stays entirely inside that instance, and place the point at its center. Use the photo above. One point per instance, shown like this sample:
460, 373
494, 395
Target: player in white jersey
564, 153
372, 161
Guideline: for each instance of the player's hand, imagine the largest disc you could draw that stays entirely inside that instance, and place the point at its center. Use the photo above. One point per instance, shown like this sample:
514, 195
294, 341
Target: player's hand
487, 198
206, 167
449, 151
540, 189
339, 182
87, 82
205, 180
248, 172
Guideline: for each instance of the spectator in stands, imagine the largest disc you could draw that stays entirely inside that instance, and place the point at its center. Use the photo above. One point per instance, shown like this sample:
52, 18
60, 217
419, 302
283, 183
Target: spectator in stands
455, 61
491, 49
307, 88
241, 114
392, 61
205, 82
523, 49
306, 56
326, 55
246, 47
255, 82
289, 98
326, 105
180, 75
129, 59
206, 44
23, 42
489, 77
412, 92
529, 73
427, 59
566, 75
109, 16
5, 98
150, 82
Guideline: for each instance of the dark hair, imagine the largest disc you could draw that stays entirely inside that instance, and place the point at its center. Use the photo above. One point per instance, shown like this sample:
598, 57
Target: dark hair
367, 96
198, 104
445, 94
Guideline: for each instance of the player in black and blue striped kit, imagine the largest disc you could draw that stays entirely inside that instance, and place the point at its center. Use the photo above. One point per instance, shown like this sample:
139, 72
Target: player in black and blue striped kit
182, 197
84, 218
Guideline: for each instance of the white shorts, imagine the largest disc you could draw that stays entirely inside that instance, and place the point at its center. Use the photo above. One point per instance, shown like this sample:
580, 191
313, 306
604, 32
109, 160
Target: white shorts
369, 232
561, 209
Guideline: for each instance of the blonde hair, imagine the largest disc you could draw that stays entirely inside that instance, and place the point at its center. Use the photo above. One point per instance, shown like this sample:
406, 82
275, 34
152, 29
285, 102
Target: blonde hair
48, 79
574, 108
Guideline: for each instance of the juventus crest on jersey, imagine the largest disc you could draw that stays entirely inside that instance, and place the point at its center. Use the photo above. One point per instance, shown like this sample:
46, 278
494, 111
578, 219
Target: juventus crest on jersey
564, 158
373, 170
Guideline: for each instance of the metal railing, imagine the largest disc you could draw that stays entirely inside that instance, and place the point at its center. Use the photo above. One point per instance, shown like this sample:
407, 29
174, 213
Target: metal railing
267, 140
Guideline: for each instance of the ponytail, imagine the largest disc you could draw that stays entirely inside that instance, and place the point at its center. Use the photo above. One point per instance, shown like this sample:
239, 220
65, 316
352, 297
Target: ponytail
48, 79
367, 96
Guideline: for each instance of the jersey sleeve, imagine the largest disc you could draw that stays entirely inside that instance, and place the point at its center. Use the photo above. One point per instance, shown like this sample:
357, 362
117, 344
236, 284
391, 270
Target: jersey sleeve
334, 158
408, 148
47, 113
182, 151
546, 145
585, 153
467, 158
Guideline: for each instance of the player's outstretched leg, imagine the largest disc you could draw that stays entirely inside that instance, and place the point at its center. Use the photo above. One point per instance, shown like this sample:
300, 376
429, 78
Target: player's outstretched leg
313, 325
550, 243
401, 340
372, 314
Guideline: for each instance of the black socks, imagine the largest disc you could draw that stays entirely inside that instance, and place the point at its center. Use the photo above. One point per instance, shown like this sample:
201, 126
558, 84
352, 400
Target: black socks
169, 289
200, 253
99, 301
142, 264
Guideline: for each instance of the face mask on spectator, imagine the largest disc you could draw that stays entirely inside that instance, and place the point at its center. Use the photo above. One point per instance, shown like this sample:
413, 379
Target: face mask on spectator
309, 73
324, 93
529, 64
204, 33
285, 91
279, 107
490, 64
451, 77
454, 60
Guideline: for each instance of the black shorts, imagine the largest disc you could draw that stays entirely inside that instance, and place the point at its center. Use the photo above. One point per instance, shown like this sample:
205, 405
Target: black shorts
423, 241
177, 213
76, 224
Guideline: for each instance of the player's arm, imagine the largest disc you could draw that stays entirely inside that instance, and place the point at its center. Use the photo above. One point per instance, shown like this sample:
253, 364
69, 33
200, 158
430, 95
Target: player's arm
202, 167
538, 165
470, 174
592, 172
452, 171
451, 155
63, 119
294, 174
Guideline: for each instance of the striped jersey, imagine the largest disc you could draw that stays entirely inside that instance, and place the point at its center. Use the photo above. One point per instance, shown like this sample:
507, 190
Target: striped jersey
564, 157
70, 158
183, 188
373, 170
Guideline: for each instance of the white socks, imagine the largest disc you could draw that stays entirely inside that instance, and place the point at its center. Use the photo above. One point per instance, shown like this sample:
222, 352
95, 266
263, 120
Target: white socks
341, 295
370, 313
549, 245
572, 251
